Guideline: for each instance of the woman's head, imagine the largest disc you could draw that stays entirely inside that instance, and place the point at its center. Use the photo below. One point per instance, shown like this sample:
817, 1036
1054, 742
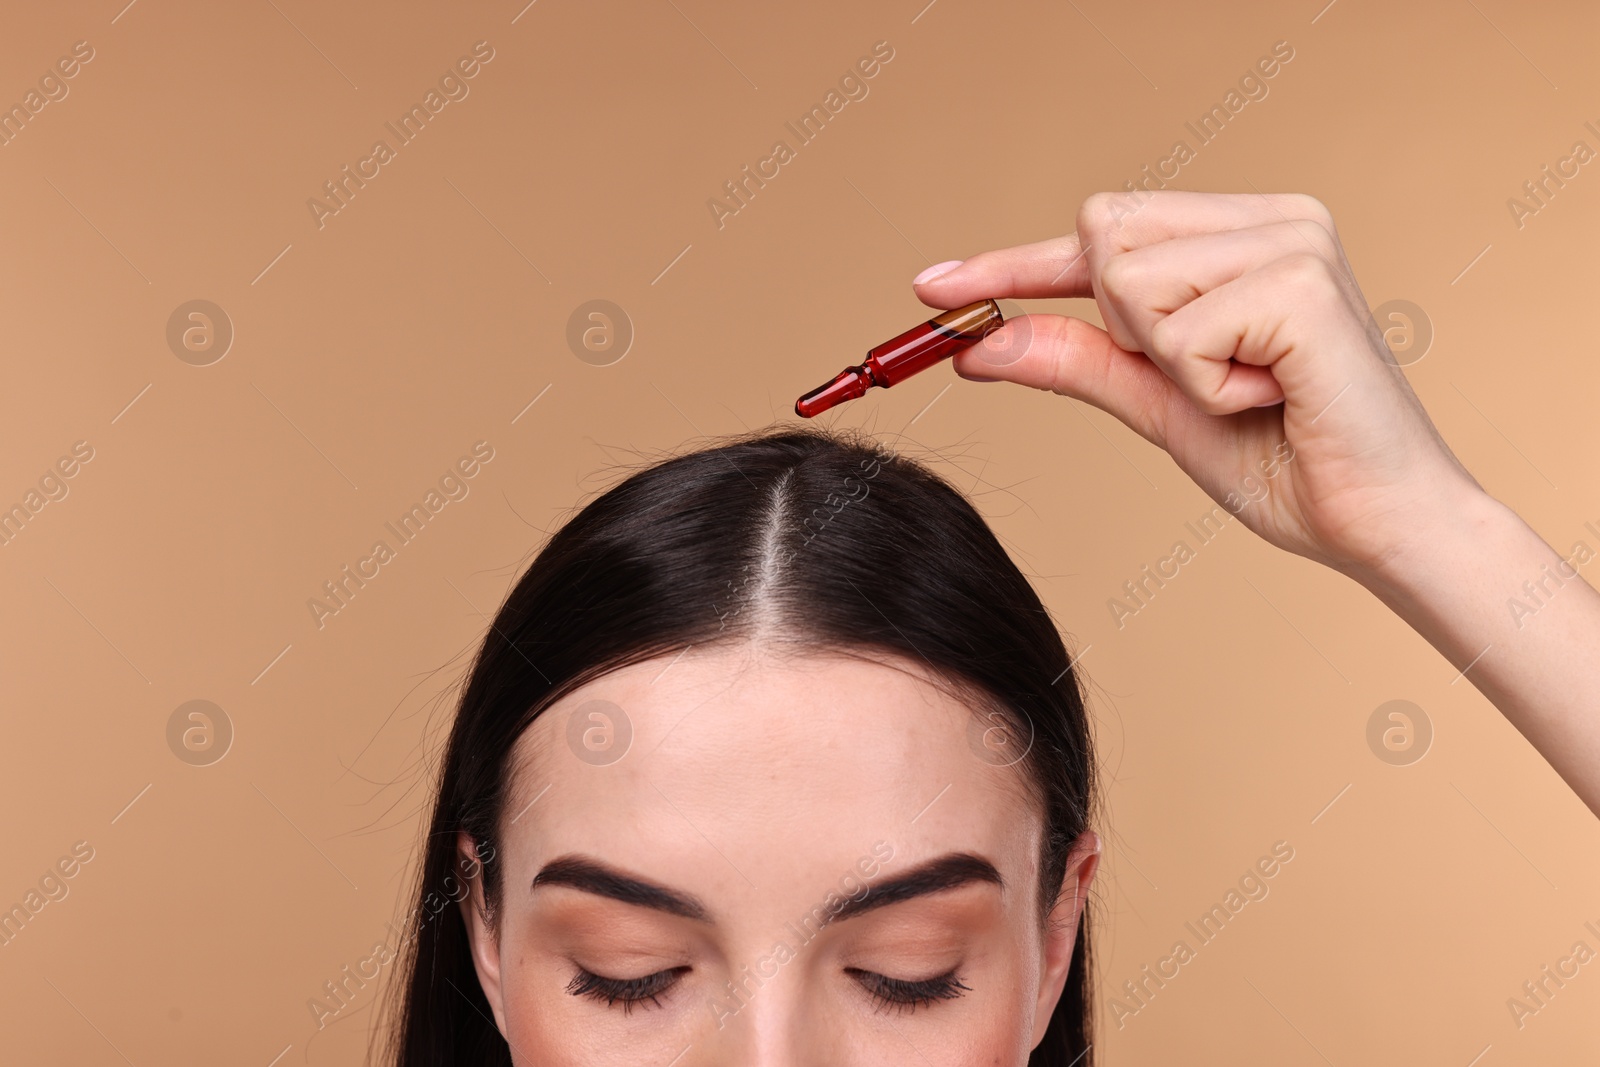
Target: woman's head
772, 756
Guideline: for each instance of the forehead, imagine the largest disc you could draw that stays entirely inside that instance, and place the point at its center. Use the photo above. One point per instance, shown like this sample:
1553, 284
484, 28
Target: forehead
723, 763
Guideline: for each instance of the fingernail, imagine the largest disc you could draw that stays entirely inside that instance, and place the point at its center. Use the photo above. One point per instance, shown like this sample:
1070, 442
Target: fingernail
937, 270
1268, 404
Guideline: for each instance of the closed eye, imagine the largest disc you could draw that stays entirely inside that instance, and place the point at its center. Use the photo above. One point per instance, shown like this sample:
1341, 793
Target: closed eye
905, 995
625, 991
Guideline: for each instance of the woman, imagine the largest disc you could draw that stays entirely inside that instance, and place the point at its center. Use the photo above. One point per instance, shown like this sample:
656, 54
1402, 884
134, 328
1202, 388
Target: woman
774, 757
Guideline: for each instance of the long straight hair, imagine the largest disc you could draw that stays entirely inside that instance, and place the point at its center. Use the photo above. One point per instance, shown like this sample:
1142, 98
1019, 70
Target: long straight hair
831, 541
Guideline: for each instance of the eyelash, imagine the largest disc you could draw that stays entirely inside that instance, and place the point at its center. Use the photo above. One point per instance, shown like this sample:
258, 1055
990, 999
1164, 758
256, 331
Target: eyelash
624, 991
901, 995
896, 994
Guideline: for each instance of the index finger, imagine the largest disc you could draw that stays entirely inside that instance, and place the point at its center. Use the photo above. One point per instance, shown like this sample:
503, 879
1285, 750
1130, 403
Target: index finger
1057, 267
1110, 223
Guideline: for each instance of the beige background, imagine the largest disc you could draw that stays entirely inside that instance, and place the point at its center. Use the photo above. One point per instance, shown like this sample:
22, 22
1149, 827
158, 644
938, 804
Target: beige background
428, 313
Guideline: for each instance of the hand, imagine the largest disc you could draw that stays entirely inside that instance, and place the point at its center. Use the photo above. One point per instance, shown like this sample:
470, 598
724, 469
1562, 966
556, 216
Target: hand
1214, 305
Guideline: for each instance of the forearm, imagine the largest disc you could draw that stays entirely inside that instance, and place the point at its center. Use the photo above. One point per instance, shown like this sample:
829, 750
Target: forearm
1518, 620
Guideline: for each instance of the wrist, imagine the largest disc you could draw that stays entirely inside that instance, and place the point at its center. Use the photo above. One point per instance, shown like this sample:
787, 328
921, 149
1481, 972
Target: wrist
1464, 534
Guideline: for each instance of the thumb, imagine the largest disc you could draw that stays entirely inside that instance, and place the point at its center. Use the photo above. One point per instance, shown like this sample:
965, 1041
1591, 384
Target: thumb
1077, 359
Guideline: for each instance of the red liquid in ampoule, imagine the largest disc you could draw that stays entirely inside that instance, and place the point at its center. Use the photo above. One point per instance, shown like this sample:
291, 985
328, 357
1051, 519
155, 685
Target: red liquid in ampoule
900, 357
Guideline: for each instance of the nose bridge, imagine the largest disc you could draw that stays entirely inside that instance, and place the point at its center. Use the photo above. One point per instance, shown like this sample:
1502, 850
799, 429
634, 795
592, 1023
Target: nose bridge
762, 1019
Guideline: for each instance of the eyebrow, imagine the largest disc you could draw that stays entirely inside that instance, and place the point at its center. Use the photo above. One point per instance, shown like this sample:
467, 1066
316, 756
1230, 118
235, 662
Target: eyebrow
947, 872
938, 875
592, 876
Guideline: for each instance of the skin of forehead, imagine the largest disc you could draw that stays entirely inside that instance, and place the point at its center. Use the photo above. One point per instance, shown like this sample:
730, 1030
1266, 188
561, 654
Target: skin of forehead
779, 770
